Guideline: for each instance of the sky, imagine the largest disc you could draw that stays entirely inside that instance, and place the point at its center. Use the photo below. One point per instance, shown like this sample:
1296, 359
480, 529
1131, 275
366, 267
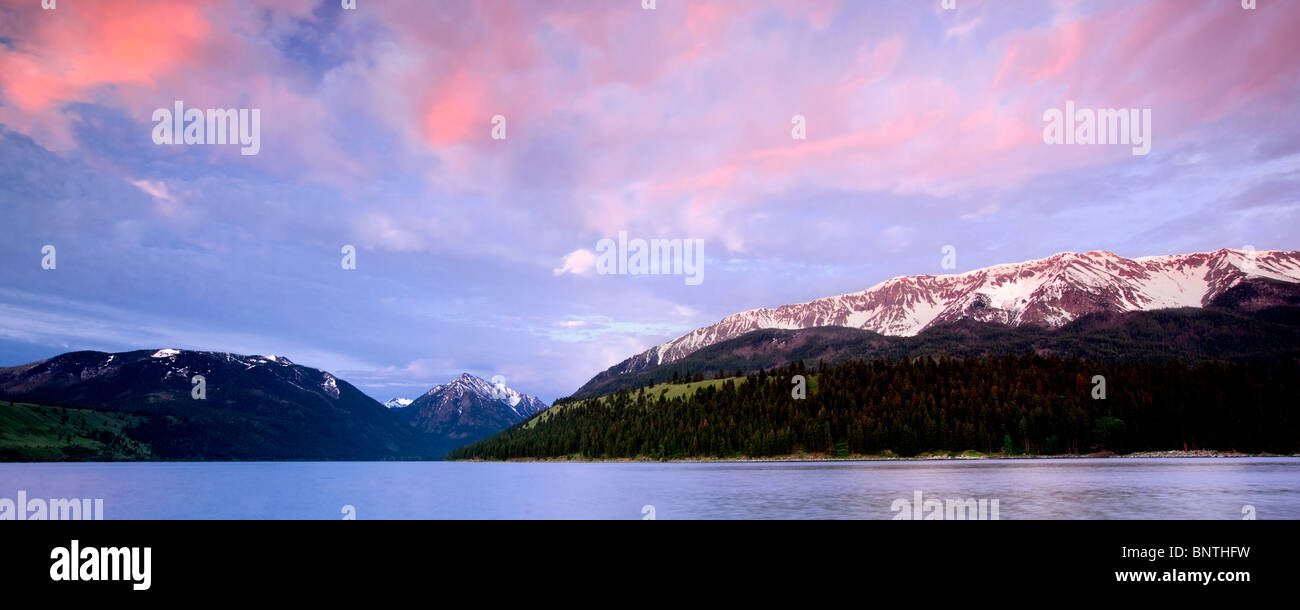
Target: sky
922, 128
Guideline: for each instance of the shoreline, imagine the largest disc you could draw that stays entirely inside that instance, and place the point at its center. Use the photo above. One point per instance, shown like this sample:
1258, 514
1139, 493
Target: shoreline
1180, 454
794, 458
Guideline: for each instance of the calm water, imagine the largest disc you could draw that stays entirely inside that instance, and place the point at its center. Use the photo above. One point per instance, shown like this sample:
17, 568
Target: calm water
1025, 489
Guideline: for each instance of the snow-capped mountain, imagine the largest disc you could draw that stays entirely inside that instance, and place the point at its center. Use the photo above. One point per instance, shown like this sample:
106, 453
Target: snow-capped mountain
244, 407
125, 371
469, 408
397, 403
1046, 292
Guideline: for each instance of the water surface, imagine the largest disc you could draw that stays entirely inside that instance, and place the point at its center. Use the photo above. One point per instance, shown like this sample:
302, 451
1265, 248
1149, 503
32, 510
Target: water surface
1156, 488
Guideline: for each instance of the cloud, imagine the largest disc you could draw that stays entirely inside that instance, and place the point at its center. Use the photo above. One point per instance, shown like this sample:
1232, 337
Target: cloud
376, 129
421, 371
74, 325
164, 202
74, 55
578, 262
986, 210
157, 189
897, 238
963, 29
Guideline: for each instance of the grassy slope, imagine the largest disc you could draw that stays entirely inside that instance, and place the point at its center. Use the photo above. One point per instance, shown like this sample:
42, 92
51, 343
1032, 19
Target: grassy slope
669, 391
36, 433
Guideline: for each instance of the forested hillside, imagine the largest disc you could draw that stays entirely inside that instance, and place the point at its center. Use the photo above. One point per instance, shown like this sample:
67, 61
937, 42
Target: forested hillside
1012, 404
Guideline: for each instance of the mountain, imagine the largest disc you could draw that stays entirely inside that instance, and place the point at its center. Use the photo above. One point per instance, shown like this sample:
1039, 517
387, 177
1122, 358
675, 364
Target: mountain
1047, 293
139, 405
256, 407
468, 409
1255, 320
968, 384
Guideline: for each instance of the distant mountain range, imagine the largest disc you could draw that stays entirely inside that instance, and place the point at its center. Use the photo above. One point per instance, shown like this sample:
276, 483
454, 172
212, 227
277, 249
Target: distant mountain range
1195, 308
255, 407
1045, 293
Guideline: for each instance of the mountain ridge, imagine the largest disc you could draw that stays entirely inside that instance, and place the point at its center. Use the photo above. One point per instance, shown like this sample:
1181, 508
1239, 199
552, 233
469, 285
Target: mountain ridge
251, 407
1050, 291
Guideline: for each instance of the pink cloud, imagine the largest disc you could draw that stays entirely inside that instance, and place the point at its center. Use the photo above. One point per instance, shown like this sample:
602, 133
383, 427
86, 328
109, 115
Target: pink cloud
676, 118
66, 52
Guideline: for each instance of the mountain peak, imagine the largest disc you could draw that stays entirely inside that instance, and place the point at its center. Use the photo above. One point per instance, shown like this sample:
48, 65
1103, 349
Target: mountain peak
470, 406
471, 381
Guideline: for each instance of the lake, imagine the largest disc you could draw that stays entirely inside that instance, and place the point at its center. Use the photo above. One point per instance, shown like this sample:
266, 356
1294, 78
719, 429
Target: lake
1156, 488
